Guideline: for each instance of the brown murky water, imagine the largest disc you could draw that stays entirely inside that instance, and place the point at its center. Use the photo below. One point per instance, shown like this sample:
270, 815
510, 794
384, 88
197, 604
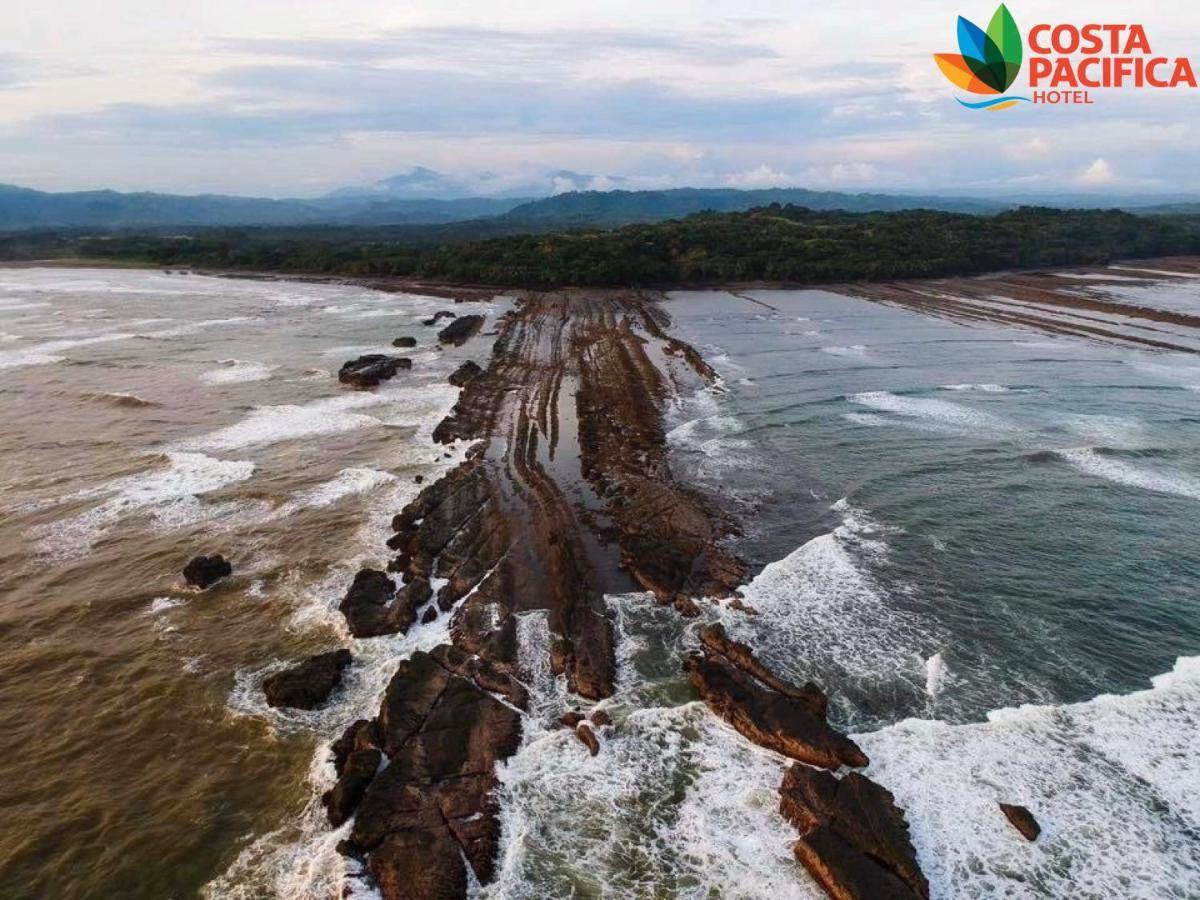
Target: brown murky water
147, 418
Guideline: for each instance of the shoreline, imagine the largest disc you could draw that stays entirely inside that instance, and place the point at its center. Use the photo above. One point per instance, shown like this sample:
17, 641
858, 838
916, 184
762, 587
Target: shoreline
565, 496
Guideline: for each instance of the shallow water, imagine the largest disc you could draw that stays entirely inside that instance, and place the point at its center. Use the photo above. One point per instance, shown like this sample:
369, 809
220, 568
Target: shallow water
945, 522
148, 418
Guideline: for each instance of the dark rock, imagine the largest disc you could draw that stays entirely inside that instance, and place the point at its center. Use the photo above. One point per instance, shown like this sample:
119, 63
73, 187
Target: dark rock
360, 735
571, 718
343, 798
417, 479
585, 734
461, 330
309, 684
406, 342
715, 640
468, 371
368, 371
600, 718
437, 317
205, 571
430, 615
769, 718
434, 804
1022, 820
373, 607
854, 839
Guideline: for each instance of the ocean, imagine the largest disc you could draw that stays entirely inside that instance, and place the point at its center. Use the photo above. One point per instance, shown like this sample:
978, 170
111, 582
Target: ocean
980, 541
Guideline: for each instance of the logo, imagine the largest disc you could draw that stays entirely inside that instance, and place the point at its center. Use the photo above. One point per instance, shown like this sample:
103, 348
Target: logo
1066, 62
989, 61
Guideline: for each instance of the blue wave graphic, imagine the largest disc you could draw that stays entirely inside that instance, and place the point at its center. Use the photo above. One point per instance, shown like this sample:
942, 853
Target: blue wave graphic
995, 101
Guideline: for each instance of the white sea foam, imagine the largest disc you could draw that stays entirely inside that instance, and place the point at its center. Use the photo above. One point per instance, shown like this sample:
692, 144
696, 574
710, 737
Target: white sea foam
234, 371
170, 494
1121, 471
825, 591
935, 675
1114, 783
347, 483
981, 388
52, 351
1108, 431
963, 419
272, 424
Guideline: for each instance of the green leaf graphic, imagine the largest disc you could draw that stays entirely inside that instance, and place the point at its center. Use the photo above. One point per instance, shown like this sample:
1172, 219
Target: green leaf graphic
1003, 34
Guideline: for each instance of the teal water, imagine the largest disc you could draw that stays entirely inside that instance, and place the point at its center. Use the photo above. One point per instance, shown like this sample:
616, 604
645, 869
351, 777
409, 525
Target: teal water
1024, 506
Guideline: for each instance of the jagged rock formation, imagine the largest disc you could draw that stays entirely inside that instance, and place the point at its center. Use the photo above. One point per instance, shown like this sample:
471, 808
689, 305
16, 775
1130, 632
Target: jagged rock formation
565, 495
368, 371
461, 330
468, 371
308, 684
853, 839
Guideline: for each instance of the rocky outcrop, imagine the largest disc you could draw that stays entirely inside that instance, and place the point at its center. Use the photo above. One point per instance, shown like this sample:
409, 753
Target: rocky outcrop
205, 571
405, 342
792, 725
1022, 820
370, 370
432, 810
714, 639
374, 607
588, 737
468, 371
853, 838
461, 330
437, 317
309, 684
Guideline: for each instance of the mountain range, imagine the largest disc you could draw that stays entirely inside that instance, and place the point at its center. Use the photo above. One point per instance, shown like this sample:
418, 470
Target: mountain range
425, 197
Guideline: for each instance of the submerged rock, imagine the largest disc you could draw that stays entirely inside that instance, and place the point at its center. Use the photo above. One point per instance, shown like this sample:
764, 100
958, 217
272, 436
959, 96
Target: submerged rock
309, 684
369, 370
460, 330
854, 840
437, 317
1022, 820
205, 571
468, 371
405, 342
780, 722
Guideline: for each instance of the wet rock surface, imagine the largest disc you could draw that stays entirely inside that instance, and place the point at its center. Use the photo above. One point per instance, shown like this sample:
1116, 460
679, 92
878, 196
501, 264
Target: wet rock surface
370, 370
1022, 820
565, 496
854, 840
461, 330
780, 722
438, 316
205, 571
468, 371
432, 810
309, 684
405, 342
374, 607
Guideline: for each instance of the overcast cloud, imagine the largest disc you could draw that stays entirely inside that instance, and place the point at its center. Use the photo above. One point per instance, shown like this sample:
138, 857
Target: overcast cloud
300, 97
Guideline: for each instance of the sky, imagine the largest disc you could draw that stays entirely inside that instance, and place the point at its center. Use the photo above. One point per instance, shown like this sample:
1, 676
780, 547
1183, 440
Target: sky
301, 97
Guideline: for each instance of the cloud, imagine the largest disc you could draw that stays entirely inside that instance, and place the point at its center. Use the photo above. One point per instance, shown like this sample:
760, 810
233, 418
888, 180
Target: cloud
762, 176
1098, 174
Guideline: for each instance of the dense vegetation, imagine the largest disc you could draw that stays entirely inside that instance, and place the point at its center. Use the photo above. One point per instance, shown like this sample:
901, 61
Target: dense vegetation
774, 243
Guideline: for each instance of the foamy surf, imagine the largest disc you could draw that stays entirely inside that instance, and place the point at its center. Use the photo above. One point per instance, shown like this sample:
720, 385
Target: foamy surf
1120, 471
236, 371
171, 494
1114, 783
